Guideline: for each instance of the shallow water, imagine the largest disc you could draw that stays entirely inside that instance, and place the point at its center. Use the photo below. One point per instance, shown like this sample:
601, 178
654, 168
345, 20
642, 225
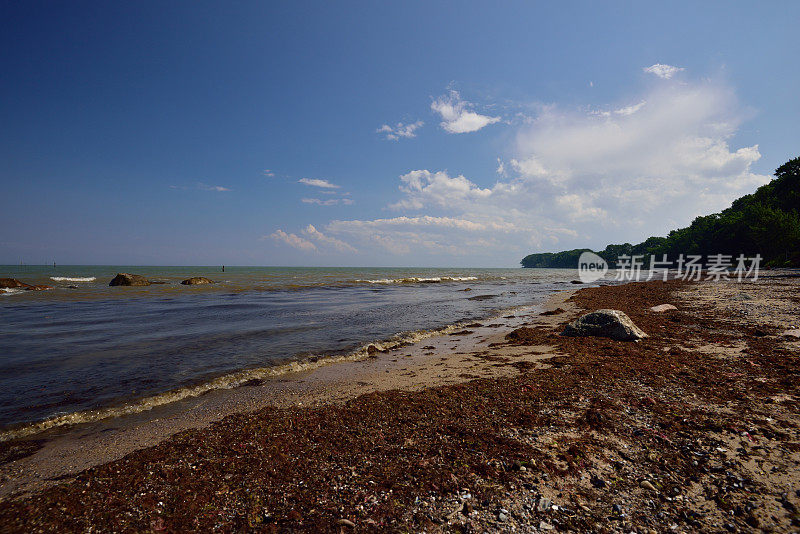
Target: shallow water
101, 350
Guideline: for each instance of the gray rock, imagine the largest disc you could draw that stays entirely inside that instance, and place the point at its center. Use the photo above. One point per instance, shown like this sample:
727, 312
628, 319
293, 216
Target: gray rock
125, 279
662, 308
196, 280
543, 505
605, 323
502, 517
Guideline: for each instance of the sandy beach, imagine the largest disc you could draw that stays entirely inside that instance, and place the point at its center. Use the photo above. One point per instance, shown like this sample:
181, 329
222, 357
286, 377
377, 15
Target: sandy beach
503, 426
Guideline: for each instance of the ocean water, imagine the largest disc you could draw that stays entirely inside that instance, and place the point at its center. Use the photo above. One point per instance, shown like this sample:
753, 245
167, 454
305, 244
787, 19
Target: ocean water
85, 351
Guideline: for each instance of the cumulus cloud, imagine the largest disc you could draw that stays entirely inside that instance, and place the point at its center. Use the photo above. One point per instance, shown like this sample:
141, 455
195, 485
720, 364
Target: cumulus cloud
293, 240
419, 222
312, 240
663, 71
332, 242
394, 133
575, 178
316, 182
423, 187
669, 160
456, 114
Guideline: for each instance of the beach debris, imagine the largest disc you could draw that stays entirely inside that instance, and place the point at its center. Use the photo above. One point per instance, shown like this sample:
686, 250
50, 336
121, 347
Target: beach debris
576, 282
646, 484
662, 308
373, 350
482, 297
126, 279
605, 323
462, 333
13, 283
346, 523
196, 280
553, 312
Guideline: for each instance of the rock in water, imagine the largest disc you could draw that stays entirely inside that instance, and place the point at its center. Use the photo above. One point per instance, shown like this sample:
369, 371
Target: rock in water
662, 308
125, 279
196, 280
13, 283
605, 323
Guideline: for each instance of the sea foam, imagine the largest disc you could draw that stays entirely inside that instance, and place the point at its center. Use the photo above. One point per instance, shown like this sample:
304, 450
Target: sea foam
69, 279
420, 280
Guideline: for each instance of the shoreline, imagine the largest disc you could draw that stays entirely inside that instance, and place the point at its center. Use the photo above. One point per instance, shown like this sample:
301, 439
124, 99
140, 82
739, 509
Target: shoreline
694, 428
61, 451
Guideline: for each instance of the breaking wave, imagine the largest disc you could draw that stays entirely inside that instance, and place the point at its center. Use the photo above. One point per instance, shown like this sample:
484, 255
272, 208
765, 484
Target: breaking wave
77, 279
420, 280
9, 290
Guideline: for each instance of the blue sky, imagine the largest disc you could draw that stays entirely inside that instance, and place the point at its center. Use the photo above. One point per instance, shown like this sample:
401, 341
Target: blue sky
381, 134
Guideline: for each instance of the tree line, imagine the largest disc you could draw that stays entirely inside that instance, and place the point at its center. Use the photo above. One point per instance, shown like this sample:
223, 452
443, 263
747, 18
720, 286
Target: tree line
766, 222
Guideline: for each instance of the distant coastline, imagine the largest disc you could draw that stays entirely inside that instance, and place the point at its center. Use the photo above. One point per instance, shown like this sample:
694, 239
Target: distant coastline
766, 222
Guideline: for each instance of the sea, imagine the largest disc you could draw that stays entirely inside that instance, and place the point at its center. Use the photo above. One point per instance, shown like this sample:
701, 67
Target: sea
85, 351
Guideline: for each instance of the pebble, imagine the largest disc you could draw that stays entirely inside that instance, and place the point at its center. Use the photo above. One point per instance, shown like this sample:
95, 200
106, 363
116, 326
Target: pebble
543, 525
502, 517
544, 505
598, 482
646, 484
346, 523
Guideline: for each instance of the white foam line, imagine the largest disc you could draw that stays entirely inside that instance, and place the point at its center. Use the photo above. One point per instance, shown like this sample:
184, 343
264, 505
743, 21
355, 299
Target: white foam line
223, 382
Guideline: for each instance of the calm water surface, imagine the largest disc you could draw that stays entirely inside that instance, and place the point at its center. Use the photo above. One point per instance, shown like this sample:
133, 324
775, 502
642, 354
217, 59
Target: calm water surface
90, 346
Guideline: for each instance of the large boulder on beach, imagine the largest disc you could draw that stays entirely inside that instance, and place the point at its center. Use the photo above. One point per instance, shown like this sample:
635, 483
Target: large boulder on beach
13, 283
125, 279
605, 323
196, 280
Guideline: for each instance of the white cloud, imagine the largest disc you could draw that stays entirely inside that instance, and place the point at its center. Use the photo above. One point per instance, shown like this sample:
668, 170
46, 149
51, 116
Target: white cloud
627, 110
202, 187
422, 221
316, 182
293, 240
327, 202
332, 242
268, 173
574, 178
663, 71
205, 187
501, 168
456, 116
393, 133
423, 187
